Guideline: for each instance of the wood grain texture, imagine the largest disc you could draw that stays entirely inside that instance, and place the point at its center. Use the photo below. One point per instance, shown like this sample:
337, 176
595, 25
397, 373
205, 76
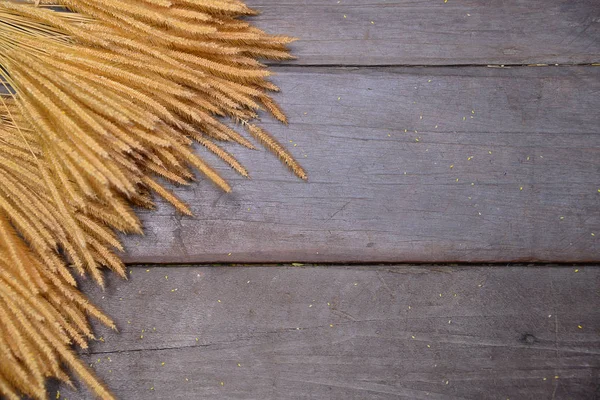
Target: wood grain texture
496, 165
424, 32
350, 333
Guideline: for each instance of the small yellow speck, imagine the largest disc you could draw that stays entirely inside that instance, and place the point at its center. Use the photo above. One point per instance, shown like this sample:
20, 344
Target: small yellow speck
598, 190
129, 322
561, 218
580, 327
440, 295
222, 383
420, 117
166, 277
98, 360
544, 379
147, 270
469, 158
373, 23
417, 139
593, 234
490, 152
464, 118
436, 126
187, 380
162, 364
556, 376
447, 382
456, 179
296, 144
576, 270
141, 336
406, 130
228, 254
413, 336
409, 307
454, 294
472, 183
429, 80
472, 111
239, 365
58, 394
328, 304
196, 339
331, 325
527, 158
479, 213
218, 301
449, 321
451, 166
305, 113
416, 131
101, 339
152, 388
339, 98
389, 135
428, 346
521, 188
355, 283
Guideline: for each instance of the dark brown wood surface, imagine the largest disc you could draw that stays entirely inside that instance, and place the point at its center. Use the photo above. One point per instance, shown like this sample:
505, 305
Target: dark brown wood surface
426, 32
496, 165
388, 332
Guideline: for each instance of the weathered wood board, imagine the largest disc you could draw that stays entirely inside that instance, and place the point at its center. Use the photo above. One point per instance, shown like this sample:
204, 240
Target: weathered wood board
384, 332
406, 164
425, 32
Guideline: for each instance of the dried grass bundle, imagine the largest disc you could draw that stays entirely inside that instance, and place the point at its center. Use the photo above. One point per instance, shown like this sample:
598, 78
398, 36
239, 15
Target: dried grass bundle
98, 102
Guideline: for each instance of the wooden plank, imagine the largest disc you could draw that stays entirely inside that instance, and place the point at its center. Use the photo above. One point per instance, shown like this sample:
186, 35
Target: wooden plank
496, 165
350, 333
424, 32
